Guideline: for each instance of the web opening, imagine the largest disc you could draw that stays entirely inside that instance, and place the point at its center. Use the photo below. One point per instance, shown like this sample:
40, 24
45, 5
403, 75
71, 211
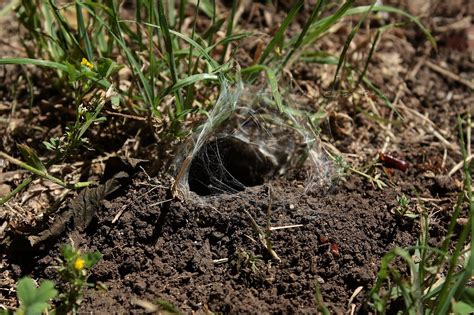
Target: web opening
228, 164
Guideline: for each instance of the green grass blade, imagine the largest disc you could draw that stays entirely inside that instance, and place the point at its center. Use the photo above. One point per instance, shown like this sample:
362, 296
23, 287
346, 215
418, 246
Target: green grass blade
450, 287
320, 57
207, 7
380, 94
145, 88
321, 306
214, 26
182, 9
189, 80
228, 39
453, 289
165, 29
320, 27
152, 73
67, 33
83, 33
347, 43
212, 30
389, 9
278, 38
36, 62
138, 16
9, 7
171, 13
193, 32
272, 82
205, 55
230, 27
48, 64
325, 58
192, 69
369, 57
299, 41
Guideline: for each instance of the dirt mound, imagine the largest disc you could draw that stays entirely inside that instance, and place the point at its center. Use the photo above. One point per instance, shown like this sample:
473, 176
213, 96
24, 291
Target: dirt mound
204, 254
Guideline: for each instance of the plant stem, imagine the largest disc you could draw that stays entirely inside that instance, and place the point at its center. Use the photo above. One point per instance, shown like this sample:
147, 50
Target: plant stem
39, 173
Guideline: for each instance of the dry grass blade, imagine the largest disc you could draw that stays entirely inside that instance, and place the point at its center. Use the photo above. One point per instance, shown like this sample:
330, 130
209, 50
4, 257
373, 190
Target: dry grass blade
449, 74
264, 237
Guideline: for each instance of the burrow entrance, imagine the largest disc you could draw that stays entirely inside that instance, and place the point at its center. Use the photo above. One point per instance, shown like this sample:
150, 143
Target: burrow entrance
228, 165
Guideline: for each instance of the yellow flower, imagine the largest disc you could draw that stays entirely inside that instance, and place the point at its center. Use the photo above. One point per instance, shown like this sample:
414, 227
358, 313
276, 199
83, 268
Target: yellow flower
86, 63
79, 264
278, 51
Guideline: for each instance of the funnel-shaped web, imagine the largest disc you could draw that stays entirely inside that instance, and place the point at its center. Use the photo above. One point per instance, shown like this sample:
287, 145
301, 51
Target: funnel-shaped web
245, 142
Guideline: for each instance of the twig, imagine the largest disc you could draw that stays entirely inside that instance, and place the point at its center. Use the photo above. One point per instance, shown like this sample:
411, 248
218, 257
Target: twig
449, 74
354, 294
427, 199
2, 228
431, 128
220, 261
416, 69
269, 211
159, 202
117, 216
458, 166
457, 25
125, 115
262, 236
285, 227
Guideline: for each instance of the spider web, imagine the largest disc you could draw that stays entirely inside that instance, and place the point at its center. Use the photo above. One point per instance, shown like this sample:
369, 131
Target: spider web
245, 142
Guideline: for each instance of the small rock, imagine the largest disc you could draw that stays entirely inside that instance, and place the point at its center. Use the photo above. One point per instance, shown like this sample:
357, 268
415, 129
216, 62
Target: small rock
462, 221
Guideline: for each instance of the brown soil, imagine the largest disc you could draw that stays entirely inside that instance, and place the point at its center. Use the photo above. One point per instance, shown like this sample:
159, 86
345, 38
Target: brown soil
173, 250
202, 254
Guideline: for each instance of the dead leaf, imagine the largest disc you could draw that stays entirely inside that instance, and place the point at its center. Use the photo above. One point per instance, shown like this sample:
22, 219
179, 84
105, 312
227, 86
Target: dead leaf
82, 209
88, 201
54, 230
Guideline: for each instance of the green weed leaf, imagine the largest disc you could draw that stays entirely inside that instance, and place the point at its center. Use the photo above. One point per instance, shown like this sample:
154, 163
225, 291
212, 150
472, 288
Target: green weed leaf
466, 303
90, 259
25, 290
68, 252
107, 67
34, 300
462, 308
31, 157
168, 307
46, 291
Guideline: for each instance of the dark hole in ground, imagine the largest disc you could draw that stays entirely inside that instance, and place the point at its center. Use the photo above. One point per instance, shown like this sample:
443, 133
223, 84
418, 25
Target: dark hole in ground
228, 165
